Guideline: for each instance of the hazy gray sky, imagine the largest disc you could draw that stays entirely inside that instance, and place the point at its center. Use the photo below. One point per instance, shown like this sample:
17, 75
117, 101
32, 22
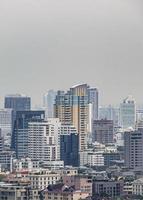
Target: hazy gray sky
55, 44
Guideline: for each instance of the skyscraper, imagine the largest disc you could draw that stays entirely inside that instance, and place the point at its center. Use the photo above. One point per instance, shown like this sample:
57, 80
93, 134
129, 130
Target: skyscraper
128, 113
72, 108
133, 144
69, 145
93, 99
48, 103
20, 130
17, 102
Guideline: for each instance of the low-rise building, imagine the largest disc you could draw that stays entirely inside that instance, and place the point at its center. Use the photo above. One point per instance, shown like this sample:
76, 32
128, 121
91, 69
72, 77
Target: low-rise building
138, 187
111, 188
18, 191
61, 191
40, 179
80, 182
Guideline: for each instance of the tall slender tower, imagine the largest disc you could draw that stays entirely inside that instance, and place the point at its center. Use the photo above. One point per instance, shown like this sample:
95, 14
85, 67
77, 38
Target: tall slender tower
72, 108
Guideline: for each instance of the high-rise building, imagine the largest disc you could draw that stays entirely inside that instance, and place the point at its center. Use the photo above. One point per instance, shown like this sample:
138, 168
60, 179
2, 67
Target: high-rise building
17, 102
133, 144
20, 130
69, 149
103, 131
43, 142
93, 99
72, 108
128, 113
48, 103
6, 125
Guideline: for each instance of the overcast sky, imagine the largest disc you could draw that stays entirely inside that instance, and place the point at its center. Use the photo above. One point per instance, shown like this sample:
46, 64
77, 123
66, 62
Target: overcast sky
55, 44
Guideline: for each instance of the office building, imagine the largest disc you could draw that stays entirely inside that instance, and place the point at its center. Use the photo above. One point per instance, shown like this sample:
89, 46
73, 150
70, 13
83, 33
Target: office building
69, 149
133, 144
20, 131
128, 113
103, 131
17, 102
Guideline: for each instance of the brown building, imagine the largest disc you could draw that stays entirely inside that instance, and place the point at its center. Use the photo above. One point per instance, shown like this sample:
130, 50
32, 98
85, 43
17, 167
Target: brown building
82, 183
63, 192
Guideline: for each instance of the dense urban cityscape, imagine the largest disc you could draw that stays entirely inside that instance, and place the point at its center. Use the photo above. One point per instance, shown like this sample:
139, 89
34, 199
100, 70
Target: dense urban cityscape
71, 148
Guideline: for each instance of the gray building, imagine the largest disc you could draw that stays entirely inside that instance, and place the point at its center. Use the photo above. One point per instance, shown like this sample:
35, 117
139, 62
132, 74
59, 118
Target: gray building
93, 99
17, 102
108, 188
128, 113
48, 103
103, 131
133, 144
6, 125
20, 131
110, 113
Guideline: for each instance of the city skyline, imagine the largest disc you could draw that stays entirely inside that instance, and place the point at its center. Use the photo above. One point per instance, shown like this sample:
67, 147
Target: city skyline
54, 45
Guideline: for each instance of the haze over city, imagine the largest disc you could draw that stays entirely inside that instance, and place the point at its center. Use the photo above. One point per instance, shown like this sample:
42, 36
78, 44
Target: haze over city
57, 44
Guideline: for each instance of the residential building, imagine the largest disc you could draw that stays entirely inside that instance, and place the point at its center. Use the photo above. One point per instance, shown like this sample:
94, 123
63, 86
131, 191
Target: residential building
72, 108
43, 140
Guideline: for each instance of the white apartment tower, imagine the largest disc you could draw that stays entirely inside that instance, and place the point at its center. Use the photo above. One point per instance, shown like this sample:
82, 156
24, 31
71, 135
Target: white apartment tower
43, 140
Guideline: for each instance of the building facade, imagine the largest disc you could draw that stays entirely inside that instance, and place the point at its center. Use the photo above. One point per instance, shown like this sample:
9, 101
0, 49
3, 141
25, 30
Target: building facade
20, 130
17, 102
43, 142
103, 131
128, 113
133, 144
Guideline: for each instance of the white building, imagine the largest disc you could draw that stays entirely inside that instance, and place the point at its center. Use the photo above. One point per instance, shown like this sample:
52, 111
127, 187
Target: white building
48, 103
91, 158
40, 179
128, 113
138, 187
25, 164
43, 140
